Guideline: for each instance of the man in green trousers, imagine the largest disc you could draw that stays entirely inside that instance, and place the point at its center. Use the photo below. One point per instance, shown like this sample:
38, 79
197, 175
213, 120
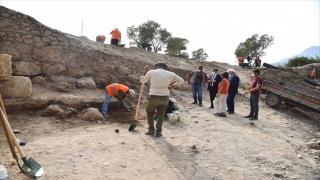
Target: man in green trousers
158, 98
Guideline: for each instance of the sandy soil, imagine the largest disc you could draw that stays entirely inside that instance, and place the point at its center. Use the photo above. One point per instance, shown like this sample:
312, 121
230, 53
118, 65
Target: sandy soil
226, 148
201, 146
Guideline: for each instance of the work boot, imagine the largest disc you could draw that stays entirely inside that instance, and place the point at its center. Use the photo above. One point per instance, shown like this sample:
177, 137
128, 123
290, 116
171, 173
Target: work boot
221, 115
106, 116
159, 134
150, 132
194, 102
200, 103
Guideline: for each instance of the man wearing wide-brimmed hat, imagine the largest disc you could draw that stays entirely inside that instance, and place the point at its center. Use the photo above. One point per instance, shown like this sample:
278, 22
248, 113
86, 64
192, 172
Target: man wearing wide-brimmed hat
158, 98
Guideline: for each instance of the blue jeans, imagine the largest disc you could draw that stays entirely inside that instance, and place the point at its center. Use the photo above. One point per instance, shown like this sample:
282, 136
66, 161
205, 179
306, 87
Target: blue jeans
104, 108
107, 99
197, 89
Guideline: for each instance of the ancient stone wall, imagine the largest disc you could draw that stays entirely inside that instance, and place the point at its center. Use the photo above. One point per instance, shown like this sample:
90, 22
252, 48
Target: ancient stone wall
40, 55
38, 49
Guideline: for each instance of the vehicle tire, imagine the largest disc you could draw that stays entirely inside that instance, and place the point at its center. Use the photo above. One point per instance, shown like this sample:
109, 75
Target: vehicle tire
273, 100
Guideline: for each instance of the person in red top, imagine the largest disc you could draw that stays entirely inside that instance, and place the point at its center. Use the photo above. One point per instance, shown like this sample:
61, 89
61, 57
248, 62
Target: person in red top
254, 90
100, 38
220, 102
116, 36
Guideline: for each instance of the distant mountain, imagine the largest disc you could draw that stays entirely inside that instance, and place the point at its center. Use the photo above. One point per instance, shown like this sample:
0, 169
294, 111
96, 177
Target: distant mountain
312, 51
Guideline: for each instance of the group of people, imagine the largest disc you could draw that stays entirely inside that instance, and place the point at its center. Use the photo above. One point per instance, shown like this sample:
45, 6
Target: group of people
158, 98
256, 64
115, 37
223, 90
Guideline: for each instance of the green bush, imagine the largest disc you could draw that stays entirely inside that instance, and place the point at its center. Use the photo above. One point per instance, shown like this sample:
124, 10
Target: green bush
301, 61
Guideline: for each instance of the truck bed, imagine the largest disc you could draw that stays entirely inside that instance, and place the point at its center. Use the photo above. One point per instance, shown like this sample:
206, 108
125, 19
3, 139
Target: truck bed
298, 94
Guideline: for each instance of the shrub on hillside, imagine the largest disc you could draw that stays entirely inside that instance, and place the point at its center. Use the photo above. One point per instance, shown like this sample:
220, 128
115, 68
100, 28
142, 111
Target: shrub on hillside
301, 61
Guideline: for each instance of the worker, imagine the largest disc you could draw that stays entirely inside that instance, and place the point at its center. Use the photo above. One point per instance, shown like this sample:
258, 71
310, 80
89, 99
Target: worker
119, 91
116, 36
100, 38
313, 74
170, 108
160, 80
241, 60
257, 63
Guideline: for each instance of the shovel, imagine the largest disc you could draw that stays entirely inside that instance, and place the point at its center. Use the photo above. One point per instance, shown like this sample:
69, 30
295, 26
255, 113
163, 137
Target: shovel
5, 129
134, 125
30, 166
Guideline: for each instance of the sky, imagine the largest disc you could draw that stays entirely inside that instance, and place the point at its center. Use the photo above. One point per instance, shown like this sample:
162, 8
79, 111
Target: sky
216, 26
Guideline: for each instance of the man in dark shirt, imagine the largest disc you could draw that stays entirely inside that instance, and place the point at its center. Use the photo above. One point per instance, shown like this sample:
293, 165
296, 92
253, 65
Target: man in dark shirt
254, 90
213, 83
198, 79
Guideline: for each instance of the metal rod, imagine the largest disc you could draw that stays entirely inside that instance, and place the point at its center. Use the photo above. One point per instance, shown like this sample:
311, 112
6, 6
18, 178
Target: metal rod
81, 27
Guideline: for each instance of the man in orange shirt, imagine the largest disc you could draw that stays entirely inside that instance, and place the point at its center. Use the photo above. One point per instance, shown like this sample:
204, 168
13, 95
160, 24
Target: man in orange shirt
240, 60
116, 36
100, 38
119, 91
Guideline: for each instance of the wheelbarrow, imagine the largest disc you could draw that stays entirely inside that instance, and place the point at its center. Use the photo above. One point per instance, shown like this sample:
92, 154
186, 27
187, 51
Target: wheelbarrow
146, 46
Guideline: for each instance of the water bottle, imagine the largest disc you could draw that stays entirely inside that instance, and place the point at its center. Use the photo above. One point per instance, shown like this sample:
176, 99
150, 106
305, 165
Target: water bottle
21, 142
3, 173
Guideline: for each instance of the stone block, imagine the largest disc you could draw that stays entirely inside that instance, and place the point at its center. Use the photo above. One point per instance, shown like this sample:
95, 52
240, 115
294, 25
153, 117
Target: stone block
5, 67
86, 83
16, 87
69, 100
36, 103
21, 68
38, 80
51, 110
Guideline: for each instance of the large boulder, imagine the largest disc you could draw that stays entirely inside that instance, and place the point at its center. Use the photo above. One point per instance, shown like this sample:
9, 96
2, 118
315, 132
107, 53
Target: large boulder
38, 80
86, 83
36, 103
16, 87
5, 67
51, 110
63, 87
69, 100
91, 114
21, 68
50, 54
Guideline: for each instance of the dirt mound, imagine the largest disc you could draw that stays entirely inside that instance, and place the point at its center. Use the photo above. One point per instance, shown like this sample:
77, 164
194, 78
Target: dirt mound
291, 75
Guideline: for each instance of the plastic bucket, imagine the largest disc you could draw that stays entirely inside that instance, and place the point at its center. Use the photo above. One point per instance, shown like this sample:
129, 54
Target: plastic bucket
3, 173
179, 113
173, 118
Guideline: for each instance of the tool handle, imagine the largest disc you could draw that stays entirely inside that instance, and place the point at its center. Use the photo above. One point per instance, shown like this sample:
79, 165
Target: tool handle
5, 129
138, 105
13, 138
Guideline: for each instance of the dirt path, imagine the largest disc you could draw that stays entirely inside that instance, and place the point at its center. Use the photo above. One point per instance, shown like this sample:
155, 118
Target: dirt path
226, 148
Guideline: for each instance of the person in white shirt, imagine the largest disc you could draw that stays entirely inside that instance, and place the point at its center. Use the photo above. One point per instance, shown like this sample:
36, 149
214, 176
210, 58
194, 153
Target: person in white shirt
158, 98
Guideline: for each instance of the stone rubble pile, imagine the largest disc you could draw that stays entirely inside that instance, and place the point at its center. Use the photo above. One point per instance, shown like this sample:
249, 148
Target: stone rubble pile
314, 145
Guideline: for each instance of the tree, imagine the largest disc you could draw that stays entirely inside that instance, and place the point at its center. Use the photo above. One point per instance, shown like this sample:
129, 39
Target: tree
148, 32
254, 46
301, 61
199, 55
175, 47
